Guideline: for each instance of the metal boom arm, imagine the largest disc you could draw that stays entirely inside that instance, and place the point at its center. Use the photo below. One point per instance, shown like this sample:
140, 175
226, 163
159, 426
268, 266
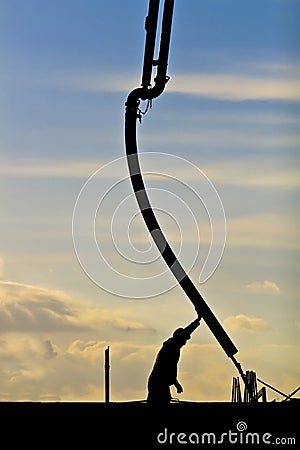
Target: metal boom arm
146, 92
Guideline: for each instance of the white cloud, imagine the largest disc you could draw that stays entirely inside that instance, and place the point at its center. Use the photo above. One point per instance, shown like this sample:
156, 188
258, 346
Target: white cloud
233, 87
27, 308
38, 363
31, 309
76, 169
264, 231
94, 81
28, 373
290, 69
76, 372
265, 286
49, 350
1, 267
237, 87
231, 173
242, 322
253, 173
37, 370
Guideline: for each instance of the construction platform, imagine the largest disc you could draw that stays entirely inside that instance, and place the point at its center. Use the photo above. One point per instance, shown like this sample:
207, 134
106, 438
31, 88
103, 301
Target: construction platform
134, 425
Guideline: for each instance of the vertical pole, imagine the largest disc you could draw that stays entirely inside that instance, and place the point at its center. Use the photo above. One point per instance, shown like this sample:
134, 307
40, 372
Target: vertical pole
106, 370
264, 394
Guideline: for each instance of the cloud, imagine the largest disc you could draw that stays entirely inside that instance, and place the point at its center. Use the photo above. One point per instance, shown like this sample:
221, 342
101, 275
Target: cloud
76, 169
203, 374
76, 372
255, 173
94, 81
221, 86
37, 370
26, 308
1, 267
31, 309
41, 360
49, 350
242, 322
264, 230
248, 173
237, 87
263, 287
130, 364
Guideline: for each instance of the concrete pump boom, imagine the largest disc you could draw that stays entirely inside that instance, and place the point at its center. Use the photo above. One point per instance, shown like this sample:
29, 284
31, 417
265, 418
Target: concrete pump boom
132, 113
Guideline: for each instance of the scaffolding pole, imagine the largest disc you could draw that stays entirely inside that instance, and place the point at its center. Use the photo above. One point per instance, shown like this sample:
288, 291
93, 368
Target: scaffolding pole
106, 377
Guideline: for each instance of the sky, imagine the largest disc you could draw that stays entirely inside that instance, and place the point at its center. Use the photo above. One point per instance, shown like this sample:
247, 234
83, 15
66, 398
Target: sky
220, 152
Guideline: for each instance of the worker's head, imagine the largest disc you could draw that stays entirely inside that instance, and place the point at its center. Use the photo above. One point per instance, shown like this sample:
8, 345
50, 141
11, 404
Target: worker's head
181, 336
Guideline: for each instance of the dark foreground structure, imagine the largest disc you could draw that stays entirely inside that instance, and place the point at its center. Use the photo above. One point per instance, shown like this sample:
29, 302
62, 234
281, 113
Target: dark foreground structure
133, 425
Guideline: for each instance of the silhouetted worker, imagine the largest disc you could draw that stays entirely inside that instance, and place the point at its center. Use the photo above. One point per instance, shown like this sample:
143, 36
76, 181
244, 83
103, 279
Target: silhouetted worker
164, 372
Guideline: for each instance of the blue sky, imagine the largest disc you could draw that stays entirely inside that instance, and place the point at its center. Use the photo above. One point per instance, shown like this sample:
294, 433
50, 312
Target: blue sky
231, 108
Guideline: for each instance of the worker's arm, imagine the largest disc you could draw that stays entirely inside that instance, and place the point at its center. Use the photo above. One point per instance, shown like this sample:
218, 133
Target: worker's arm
192, 326
178, 386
